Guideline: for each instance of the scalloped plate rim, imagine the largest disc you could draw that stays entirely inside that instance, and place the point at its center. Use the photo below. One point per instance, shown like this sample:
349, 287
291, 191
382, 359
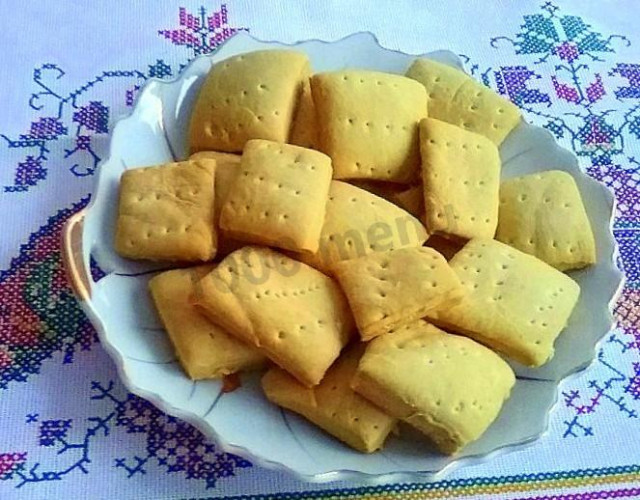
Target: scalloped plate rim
343, 474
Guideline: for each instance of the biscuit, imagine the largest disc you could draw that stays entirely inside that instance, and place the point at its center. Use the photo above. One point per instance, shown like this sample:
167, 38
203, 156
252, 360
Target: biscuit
248, 96
368, 123
515, 303
167, 212
279, 197
332, 405
295, 314
456, 98
227, 168
449, 387
386, 190
389, 289
204, 349
358, 223
461, 177
304, 131
543, 215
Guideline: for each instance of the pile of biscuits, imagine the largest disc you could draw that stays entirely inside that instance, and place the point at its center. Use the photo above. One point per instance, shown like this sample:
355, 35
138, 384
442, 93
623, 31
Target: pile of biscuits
348, 231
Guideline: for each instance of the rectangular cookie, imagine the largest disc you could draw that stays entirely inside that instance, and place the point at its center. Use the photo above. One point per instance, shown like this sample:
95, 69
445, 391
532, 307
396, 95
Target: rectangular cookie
389, 289
304, 130
449, 387
204, 349
543, 215
368, 123
359, 223
167, 212
461, 178
515, 303
456, 98
295, 314
279, 198
248, 96
227, 168
332, 405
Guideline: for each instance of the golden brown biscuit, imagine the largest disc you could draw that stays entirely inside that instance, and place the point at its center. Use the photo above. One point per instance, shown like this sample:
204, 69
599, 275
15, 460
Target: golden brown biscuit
248, 96
368, 123
358, 223
449, 387
543, 215
515, 303
461, 177
280, 196
456, 98
227, 168
167, 213
204, 349
295, 314
389, 289
332, 405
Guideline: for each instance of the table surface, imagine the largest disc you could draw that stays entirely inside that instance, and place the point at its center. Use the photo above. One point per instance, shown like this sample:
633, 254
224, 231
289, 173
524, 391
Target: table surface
68, 428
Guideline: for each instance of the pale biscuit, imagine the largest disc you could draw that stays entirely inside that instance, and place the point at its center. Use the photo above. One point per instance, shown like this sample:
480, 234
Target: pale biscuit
456, 98
295, 314
441, 82
333, 405
543, 215
449, 387
279, 197
248, 96
358, 223
368, 123
389, 289
227, 168
515, 303
304, 130
167, 212
461, 177
411, 200
386, 190
204, 349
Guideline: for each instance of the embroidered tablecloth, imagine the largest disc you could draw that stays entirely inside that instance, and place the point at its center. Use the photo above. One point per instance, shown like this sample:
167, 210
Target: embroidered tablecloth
68, 428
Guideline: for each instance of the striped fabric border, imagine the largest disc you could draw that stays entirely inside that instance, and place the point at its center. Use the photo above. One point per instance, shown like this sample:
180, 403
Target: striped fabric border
500, 485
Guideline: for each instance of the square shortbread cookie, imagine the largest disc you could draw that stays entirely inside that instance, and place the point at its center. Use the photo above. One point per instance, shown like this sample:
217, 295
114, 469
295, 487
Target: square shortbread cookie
368, 123
456, 98
227, 168
248, 96
204, 349
333, 405
304, 130
358, 223
515, 303
449, 387
392, 288
167, 212
461, 178
280, 196
295, 314
543, 215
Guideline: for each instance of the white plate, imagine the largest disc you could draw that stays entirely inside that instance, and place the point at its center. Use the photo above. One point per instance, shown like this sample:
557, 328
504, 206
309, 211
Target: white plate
243, 422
